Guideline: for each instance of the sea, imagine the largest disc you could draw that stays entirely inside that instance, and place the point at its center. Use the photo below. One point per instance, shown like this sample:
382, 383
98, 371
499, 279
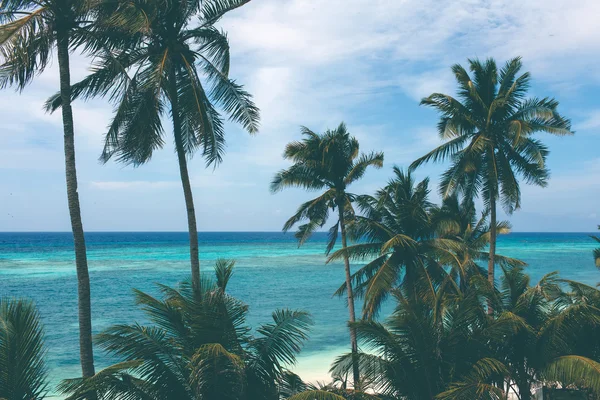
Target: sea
271, 272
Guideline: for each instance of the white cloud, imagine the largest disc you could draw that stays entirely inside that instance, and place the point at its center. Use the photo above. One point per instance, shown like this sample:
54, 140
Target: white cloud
316, 63
591, 122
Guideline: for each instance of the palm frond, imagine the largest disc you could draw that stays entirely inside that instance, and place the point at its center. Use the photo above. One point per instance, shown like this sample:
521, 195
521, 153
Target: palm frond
232, 97
316, 395
23, 369
224, 271
213, 10
26, 48
366, 160
281, 341
575, 370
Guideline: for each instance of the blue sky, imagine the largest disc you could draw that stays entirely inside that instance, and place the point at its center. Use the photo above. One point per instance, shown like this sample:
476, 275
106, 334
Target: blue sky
317, 63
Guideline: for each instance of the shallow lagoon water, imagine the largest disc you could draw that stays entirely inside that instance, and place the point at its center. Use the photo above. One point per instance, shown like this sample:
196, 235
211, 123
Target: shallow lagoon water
271, 272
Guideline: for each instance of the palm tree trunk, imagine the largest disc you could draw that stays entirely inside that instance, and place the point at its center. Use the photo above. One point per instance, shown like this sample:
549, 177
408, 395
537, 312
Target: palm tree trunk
493, 234
185, 181
491, 261
353, 343
86, 351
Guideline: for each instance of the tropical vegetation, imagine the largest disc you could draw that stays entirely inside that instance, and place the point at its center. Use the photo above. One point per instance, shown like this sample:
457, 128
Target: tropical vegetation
330, 161
198, 346
23, 370
410, 242
449, 347
181, 63
488, 132
455, 331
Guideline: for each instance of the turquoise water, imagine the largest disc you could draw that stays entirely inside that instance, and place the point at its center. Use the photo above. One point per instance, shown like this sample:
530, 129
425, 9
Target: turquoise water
272, 272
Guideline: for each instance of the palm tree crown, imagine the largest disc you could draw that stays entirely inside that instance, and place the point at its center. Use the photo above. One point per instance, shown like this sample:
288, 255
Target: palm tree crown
197, 346
329, 162
409, 242
29, 31
166, 49
160, 47
489, 136
394, 233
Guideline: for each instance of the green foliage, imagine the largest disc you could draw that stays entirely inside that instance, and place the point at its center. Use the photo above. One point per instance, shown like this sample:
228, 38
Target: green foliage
555, 320
465, 238
29, 30
409, 242
432, 346
197, 346
596, 251
394, 232
316, 395
447, 346
330, 162
166, 53
23, 370
575, 370
488, 132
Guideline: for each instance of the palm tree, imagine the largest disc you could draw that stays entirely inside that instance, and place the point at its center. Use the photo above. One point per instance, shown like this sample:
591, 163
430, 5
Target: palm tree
29, 31
596, 251
558, 337
197, 346
447, 346
329, 161
489, 137
470, 235
396, 234
438, 347
163, 43
23, 370
408, 241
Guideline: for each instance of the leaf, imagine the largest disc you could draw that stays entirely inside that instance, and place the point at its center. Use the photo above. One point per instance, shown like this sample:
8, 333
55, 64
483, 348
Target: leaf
315, 395
575, 370
21, 345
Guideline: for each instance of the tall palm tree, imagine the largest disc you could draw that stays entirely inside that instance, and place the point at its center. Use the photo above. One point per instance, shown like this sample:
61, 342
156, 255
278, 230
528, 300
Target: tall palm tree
23, 370
597, 251
165, 44
330, 162
29, 32
489, 137
197, 346
396, 234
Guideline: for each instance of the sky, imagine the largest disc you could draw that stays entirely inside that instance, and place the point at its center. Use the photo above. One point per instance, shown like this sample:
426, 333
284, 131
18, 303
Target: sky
317, 63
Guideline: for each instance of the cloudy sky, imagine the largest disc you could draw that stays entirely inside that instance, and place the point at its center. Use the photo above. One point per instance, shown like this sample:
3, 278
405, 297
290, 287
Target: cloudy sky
317, 63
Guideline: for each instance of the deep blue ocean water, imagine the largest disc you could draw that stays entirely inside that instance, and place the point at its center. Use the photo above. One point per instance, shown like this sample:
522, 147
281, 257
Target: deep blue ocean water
271, 272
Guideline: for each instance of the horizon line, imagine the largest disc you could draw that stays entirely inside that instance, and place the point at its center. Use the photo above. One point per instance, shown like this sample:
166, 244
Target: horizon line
291, 233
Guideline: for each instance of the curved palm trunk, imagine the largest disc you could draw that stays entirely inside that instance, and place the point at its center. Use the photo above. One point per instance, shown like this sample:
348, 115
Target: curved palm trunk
352, 314
491, 262
185, 182
86, 352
